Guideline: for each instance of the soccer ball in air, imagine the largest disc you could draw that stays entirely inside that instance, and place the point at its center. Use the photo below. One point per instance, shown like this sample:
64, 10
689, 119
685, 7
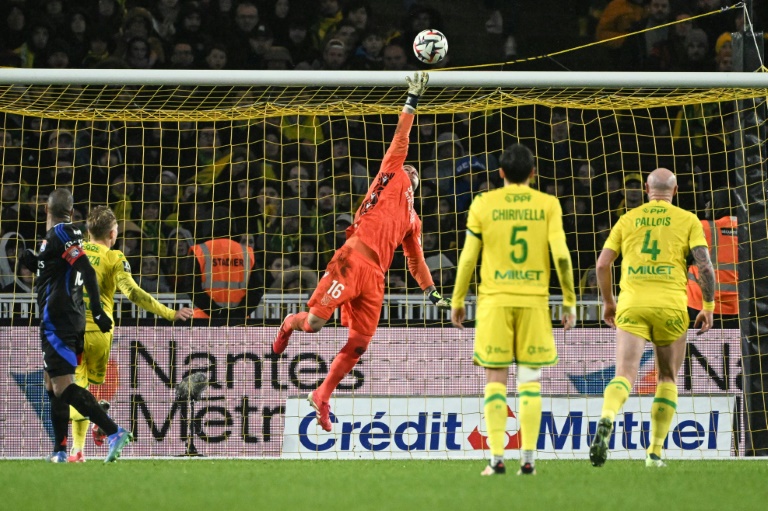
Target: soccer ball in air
430, 46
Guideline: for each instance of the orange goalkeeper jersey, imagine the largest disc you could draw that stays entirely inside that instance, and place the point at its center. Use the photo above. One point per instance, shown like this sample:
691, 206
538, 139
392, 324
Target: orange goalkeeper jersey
386, 218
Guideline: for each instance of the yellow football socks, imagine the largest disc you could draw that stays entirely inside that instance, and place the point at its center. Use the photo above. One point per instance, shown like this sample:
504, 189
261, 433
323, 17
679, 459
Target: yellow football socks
79, 432
496, 417
529, 413
662, 413
614, 397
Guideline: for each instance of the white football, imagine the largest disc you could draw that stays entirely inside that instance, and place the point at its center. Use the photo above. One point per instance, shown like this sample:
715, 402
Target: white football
430, 46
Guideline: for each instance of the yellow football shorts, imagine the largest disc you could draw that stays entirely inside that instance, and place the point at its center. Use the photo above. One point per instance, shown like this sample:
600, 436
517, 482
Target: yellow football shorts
507, 335
660, 326
93, 366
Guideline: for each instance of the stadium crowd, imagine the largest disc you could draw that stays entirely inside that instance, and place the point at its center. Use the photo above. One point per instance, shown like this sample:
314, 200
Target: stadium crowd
288, 187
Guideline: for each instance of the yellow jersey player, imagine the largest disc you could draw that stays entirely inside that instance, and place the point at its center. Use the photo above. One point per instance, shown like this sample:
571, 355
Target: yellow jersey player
516, 227
654, 241
113, 272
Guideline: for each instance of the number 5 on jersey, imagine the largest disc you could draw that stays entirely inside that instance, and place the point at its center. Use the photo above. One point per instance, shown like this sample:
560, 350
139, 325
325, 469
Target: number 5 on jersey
335, 289
519, 244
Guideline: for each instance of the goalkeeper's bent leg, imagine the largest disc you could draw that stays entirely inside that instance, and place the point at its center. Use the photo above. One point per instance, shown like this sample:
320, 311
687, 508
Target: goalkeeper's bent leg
356, 345
662, 413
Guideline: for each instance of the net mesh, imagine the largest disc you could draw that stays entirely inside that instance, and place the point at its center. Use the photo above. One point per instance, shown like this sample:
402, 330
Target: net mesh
280, 170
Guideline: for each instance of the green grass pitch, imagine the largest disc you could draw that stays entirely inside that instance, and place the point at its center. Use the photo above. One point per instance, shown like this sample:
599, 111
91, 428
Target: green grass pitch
207, 484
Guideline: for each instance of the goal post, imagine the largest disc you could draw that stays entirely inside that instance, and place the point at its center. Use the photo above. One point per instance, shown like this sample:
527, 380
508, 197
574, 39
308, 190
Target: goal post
279, 160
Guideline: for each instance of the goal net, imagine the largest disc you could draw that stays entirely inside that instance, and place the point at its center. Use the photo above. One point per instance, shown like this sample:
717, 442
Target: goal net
279, 163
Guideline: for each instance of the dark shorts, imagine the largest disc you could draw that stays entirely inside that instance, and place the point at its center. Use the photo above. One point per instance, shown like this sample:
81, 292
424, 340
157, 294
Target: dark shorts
61, 351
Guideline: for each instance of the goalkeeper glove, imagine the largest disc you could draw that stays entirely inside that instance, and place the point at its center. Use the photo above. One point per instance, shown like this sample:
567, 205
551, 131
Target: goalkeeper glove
416, 88
439, 301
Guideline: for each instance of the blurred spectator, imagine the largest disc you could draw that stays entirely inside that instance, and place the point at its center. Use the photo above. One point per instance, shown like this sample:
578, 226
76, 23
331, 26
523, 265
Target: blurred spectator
109, 16
23, 281
286, 277
502, 22
278, 57
216, 57
165, 14
239, 36
189, 27
633, 194
368, 56
358, 14
14, 26
347, 34
260, 42
279, 19
130, 241
77, 37
99, 48
299, 43
617, 19
588, 289
650, 50
138, 54
713, 24
150, 279
698, 57
334, 56
54, 14
124, 195
34, 51
139, 25
442, 269
182, 56
342, 222
11, 245
344, 167
329, 14
176, 263
394, 58
677, 38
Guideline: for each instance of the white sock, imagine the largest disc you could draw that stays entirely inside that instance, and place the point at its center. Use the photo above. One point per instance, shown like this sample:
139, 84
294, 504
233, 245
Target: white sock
527, 457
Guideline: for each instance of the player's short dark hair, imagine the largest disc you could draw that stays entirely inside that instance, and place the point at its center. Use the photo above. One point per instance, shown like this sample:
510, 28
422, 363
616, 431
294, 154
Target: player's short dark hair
100, 222
517, 162
60, 203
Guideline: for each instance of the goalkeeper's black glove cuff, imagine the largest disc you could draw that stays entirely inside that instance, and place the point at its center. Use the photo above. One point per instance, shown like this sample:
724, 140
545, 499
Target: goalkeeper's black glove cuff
439, 301
412, 100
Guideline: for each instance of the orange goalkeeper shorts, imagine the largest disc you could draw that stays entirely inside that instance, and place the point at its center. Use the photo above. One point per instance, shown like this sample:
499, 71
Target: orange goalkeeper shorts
354, 283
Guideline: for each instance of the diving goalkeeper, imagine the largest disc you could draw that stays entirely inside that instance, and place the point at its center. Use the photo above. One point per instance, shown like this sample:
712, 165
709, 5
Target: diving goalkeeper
113, 272
354, 278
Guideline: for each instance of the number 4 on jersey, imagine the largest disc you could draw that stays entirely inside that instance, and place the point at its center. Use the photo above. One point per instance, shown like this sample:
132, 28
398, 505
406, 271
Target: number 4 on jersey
650, 248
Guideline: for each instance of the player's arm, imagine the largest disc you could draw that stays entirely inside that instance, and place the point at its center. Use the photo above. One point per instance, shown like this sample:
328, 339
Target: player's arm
75, 256
563, 265
418, 268
473, 243
707, 285
146, 301
398, 149
605, 284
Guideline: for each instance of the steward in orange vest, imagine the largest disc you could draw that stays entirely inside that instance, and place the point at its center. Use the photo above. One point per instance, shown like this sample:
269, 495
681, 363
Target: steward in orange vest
225, 283
722, 238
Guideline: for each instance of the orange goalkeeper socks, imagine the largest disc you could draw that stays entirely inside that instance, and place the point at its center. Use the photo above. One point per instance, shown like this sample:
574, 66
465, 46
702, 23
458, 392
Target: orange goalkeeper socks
343, 363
